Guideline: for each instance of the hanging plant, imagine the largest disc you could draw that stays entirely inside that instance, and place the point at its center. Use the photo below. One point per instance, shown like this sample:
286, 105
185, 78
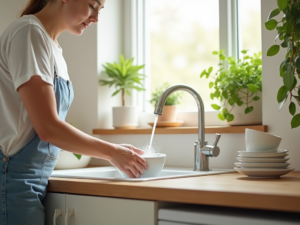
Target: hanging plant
289, 35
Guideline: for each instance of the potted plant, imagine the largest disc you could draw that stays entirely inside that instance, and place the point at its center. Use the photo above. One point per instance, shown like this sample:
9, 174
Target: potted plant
170, 108
237, 85
289, 33
124, 77
69, 160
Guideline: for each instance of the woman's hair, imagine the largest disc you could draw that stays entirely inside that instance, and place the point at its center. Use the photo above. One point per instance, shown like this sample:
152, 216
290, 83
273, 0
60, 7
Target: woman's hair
34, 6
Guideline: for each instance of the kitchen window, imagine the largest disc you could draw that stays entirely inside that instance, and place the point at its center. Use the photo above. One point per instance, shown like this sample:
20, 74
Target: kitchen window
249, 25
175, 40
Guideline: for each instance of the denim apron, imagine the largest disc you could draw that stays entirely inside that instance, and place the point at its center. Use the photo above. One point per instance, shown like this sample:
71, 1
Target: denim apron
24, 175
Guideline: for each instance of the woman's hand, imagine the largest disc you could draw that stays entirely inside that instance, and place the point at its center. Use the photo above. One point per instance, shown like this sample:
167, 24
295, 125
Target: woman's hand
126, 158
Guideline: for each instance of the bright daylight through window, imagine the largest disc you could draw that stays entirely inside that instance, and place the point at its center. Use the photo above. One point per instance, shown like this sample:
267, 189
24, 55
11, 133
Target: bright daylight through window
249, 25
181, 36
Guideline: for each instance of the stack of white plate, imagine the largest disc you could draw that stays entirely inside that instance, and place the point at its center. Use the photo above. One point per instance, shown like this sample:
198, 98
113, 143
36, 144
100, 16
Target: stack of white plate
263, 164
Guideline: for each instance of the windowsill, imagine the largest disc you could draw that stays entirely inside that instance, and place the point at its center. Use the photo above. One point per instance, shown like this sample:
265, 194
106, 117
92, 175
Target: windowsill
182, 130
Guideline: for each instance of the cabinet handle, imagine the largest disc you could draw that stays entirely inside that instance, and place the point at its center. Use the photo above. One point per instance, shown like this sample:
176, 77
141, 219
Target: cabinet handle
57, 213
69, 213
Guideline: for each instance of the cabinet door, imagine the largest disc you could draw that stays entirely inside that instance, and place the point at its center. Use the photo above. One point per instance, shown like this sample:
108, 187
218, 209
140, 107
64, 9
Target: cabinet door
95, 210
172, 223
215, 215
54, 207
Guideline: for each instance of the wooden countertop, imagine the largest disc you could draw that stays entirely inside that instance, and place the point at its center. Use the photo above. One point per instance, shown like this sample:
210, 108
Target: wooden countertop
231, 189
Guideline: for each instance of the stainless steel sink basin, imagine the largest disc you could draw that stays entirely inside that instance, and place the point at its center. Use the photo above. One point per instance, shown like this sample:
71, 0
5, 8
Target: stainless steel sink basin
111, 173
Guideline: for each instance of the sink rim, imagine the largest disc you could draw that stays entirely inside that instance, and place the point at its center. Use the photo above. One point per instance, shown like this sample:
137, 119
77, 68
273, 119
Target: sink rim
73, 173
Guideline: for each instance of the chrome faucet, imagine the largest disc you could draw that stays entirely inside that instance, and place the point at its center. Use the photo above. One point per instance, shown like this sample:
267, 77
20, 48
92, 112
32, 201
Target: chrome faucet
201, 148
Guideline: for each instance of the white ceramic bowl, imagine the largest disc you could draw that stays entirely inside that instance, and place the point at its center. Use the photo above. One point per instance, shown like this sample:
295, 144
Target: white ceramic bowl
155, 161
257, 141
67, 160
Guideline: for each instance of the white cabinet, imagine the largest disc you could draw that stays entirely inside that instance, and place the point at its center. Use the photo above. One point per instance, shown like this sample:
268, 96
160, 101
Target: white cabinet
214, 215
54, 203
92, 210
70, 209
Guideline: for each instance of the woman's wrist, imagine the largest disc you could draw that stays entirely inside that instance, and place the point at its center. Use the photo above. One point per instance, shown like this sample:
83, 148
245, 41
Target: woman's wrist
107, 150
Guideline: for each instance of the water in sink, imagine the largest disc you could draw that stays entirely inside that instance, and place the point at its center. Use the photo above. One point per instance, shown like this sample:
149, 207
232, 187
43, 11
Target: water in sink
110, 173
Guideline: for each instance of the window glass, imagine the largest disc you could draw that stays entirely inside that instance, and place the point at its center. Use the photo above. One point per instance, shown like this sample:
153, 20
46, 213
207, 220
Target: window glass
249, 25
182, 36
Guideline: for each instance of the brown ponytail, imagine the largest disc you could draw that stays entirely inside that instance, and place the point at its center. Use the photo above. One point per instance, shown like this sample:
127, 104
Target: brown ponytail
34, 6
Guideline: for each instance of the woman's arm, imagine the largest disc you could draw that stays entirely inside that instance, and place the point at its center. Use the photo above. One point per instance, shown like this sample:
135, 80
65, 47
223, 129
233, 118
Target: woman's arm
39, 100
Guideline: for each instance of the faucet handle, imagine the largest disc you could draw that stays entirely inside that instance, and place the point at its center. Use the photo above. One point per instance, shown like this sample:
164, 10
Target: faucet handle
218, 136
215, 149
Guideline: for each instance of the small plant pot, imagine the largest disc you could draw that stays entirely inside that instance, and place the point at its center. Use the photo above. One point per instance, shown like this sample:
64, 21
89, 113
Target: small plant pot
125, 117
252, 118
169, 113
67, 160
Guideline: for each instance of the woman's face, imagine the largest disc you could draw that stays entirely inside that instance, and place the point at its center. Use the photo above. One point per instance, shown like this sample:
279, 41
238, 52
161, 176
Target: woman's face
79, 14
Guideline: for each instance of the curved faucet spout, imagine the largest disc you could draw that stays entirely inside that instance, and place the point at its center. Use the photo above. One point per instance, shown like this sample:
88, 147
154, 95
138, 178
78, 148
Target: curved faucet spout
161, 102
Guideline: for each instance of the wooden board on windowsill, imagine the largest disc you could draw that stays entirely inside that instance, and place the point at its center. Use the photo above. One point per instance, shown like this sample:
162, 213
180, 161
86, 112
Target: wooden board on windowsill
182, 130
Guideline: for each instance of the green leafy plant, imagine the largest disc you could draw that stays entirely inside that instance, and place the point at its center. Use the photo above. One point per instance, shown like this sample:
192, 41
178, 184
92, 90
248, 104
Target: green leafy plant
289, 35
173, 99
123, 77
237, 85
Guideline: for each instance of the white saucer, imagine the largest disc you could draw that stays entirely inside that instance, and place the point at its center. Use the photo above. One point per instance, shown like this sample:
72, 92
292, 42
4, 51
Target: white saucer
262, 165
263, 173
262, 160
279, 154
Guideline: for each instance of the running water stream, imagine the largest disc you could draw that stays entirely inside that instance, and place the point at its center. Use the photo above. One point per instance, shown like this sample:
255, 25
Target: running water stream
153, 129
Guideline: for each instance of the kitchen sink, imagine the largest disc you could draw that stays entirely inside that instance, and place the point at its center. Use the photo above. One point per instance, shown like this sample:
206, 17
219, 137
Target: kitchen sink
111, 173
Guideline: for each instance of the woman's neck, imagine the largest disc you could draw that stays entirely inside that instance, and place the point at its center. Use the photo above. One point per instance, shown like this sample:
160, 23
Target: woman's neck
50, 17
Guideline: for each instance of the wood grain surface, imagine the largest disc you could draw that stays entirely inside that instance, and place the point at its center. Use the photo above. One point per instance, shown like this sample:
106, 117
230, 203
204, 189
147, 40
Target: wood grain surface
231, 189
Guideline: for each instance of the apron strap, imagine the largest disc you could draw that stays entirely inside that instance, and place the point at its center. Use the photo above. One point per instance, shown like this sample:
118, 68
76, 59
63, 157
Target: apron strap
56, 73
55, 70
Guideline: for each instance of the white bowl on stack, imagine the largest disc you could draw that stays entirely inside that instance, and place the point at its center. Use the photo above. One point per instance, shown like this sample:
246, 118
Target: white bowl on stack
262, 158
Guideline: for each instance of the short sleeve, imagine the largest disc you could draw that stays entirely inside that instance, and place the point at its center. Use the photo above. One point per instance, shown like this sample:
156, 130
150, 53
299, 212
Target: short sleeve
29, 54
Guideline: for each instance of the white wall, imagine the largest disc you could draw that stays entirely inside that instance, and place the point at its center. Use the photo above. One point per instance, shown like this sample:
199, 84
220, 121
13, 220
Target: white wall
82, 52
9, 11
92, 104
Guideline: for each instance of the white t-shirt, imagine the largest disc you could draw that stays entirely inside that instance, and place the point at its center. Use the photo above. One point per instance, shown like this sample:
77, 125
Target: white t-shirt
26, 49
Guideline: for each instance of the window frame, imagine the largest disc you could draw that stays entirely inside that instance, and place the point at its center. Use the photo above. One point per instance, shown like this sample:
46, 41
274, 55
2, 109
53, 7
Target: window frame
135, 42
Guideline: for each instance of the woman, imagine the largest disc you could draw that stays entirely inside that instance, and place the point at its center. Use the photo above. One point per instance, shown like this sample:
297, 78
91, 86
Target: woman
35, 95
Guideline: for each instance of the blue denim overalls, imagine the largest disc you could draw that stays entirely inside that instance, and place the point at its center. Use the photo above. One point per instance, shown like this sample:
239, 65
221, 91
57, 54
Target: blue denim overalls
24, 175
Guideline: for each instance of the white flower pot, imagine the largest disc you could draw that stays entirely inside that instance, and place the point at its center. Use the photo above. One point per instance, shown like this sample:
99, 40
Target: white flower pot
125, 117
67, 160
252, 118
